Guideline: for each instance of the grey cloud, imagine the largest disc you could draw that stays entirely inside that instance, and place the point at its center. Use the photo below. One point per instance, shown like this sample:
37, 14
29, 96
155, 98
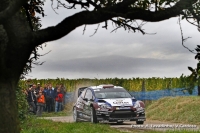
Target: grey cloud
114, 64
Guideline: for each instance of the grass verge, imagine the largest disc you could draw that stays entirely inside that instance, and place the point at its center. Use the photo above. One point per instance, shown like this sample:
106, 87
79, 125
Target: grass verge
35, 125
175, 109
66, 112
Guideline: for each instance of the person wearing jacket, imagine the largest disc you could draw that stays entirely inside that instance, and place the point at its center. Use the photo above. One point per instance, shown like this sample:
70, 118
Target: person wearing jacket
31, 100
40, 102
58, 100
50, 95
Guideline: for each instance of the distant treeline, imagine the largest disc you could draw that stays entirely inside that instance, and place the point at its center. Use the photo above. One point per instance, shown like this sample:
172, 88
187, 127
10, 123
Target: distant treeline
131, 84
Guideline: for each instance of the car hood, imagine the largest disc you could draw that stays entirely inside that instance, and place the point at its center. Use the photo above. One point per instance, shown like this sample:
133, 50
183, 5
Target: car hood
119, 102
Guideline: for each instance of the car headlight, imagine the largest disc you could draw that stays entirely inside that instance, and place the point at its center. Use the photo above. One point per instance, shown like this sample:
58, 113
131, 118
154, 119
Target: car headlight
105, 106
136, 105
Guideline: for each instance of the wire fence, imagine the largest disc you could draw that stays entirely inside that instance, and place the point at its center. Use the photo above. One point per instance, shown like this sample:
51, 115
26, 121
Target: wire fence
155, 95
149, 95
69, 97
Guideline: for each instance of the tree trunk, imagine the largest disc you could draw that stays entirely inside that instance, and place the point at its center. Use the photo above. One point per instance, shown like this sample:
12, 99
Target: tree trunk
9, 122
198, 90
15, 49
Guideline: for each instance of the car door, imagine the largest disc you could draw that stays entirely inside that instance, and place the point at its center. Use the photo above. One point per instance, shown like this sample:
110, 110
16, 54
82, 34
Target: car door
87, 100
80, 104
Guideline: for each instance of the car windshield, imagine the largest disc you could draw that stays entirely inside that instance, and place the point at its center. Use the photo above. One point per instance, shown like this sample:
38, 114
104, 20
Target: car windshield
112, 93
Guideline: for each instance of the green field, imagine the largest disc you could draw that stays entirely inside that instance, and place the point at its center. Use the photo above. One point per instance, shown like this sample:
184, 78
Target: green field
131, 84
175, 109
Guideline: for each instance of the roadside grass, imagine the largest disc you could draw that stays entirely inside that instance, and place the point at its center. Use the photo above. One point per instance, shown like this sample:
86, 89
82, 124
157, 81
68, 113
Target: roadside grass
66, 112
34, 125
182, 131
175, 109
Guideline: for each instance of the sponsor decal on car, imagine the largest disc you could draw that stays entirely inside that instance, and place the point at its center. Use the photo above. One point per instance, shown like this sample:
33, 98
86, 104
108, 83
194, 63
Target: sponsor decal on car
119, 102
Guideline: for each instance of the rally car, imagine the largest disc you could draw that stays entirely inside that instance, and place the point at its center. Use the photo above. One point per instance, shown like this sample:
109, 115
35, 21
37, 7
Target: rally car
107, 103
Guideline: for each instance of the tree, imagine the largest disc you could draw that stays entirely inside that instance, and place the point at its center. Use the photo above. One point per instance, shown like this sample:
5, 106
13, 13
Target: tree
20, 35
195, 73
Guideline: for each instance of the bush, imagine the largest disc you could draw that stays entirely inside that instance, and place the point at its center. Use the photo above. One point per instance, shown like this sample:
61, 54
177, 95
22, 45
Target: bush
22, 104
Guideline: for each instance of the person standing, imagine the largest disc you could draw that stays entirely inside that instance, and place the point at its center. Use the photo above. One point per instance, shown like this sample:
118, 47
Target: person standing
40, 102
31, 100
35, 92
38, 86
57, 86
51, 96
63, 91
46, 97
58, 100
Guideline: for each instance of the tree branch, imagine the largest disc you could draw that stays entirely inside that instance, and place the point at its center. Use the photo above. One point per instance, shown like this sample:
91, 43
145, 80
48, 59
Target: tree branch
13, 7
161, 14
119, 10
182, 38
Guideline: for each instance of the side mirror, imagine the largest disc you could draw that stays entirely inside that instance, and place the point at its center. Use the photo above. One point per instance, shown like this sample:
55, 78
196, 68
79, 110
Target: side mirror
85, 99
79, 93
92, 100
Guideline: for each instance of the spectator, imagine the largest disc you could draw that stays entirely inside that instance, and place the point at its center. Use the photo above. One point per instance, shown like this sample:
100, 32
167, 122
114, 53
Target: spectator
35, 92
38, 87
40, 102
58, 100
46, 97
51, 96
63, 91
57, 86
31, 100
46, 88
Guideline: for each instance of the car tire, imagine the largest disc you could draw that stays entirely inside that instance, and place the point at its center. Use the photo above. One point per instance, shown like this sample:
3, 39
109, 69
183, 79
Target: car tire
75, 115
139, 122
93, 117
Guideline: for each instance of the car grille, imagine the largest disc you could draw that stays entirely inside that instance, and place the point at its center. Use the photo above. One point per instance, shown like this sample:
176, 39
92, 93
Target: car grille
122, 114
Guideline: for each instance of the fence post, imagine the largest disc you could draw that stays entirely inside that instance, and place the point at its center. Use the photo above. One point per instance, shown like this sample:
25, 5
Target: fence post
143, 90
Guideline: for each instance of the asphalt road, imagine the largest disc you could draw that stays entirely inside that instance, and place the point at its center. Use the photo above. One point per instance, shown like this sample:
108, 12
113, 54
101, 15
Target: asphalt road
131, 125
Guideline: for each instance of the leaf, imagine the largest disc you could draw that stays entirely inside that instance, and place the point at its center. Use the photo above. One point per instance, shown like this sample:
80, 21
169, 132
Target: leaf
191, 69
197, 56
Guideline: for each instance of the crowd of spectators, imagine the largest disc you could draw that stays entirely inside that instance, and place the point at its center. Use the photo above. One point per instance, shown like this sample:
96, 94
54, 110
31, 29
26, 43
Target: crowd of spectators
45, 98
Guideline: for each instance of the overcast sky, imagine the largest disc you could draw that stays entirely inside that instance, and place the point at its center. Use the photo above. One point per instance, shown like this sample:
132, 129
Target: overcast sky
119, 54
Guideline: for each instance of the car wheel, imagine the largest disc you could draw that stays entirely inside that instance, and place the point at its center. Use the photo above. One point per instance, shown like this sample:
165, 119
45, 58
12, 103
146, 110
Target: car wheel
93, 117
139, 122
75, 114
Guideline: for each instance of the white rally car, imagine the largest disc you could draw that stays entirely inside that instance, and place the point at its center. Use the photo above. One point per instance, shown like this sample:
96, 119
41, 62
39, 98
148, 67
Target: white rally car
107, 103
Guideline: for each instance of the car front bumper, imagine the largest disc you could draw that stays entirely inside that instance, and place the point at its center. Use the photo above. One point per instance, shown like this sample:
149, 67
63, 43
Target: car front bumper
122, 115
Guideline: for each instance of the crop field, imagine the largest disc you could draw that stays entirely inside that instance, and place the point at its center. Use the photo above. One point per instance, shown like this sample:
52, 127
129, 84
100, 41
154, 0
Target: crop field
131, 84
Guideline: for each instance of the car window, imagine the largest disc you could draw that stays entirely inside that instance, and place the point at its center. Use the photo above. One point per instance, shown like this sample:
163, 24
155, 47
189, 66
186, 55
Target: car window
100, 95
112, 93
83, 93
88, 94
